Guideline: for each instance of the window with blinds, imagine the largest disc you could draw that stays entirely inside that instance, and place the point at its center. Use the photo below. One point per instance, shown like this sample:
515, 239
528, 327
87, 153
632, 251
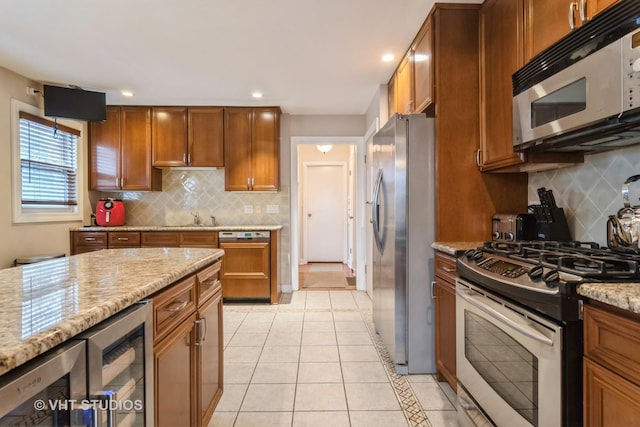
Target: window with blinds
48, 163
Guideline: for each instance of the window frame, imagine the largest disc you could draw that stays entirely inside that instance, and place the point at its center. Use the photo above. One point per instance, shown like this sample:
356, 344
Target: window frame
43, 214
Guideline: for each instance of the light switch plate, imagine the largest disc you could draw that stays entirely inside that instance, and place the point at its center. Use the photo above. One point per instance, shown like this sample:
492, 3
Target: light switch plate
273, 209
248, 209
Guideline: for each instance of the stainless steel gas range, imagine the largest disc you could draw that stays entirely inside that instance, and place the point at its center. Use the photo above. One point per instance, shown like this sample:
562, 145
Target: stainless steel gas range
519, 329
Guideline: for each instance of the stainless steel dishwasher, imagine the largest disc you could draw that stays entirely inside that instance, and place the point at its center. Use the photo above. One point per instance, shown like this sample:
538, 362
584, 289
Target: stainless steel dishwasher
246, 265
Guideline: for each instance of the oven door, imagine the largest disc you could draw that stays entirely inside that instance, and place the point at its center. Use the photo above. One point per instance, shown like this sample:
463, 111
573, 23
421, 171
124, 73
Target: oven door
587, 92
508, 360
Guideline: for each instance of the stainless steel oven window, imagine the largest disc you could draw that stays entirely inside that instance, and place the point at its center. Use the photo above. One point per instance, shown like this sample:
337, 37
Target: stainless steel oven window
507, 366
560, 103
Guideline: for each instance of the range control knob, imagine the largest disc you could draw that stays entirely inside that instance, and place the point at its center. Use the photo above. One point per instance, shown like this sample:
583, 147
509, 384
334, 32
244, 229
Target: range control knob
551, 278
535, 272
510, 237
495, 235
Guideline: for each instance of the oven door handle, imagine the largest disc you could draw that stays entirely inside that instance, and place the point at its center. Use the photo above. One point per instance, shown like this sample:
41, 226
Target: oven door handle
531, 333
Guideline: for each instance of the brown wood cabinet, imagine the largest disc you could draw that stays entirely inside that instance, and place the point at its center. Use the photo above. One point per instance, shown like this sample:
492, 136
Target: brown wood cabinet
188, 349
404, 85
87, 241
252, 148
445, 318
501, 54
245, 270
120, 151
423, 68
547, 21
187, 136
466, 198
611, 366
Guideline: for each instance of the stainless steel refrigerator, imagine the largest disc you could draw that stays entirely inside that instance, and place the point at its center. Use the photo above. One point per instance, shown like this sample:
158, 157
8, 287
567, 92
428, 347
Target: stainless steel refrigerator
403, 219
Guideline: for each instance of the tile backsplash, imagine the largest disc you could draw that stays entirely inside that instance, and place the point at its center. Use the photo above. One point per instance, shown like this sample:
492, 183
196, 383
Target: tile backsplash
186, 191
590, 192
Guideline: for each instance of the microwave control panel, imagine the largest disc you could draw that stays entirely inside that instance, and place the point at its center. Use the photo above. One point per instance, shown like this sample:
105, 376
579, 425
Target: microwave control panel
631, 61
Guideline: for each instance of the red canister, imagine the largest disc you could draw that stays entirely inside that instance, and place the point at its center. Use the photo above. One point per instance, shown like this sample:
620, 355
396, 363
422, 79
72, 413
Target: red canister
110, 212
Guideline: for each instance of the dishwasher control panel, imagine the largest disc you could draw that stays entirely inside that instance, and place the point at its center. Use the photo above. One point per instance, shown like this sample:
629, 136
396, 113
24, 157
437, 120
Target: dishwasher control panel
244, 235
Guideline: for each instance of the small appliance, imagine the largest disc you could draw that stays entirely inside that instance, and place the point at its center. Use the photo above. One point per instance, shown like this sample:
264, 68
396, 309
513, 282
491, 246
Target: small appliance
110, 212
514, 227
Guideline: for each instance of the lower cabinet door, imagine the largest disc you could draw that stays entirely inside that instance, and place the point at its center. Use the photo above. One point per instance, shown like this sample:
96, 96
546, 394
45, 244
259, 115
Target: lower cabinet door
174, 365
609, 400
445, 306
210, 353
245, 270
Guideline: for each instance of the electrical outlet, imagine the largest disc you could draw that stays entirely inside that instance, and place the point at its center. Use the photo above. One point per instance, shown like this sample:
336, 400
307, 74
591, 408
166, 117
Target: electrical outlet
31, 91
273, 209
248, 209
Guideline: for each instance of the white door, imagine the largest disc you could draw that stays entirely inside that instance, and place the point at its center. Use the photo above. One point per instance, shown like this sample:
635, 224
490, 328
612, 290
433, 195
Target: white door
324, 212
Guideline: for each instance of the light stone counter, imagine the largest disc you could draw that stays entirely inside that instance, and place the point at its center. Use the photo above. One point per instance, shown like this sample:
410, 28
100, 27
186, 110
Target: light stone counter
258, 227
47, 303
453, 248
621, 295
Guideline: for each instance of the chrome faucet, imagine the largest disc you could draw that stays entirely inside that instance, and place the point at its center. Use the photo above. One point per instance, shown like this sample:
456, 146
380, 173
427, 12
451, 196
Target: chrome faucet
196, 218
213, 220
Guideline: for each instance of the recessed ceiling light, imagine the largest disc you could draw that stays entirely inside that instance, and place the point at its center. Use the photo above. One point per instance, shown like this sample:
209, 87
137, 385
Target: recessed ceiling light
127, 93
257, 94
387, 57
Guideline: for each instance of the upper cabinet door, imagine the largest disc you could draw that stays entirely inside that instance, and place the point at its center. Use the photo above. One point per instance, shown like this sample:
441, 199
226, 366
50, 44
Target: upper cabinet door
237, 150
104, 152
169, 133
206, 146
265, 149
546, 21
423, 68
500, 56
404, 85
137, 174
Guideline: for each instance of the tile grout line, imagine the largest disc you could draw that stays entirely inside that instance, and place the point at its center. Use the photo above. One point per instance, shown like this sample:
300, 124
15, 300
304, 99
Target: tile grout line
413, 411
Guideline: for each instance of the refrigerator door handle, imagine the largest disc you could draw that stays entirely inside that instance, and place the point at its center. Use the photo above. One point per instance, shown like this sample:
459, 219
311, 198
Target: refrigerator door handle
375, 210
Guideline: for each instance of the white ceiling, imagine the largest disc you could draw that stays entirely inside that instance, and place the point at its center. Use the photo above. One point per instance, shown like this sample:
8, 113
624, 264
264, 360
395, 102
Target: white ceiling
307, 56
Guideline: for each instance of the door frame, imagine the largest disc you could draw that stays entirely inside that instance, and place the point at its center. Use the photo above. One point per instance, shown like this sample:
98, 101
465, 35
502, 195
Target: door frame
358, 142
305, 225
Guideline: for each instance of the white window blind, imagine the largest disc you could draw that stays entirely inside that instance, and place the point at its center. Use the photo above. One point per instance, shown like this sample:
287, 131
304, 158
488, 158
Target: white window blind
48, 163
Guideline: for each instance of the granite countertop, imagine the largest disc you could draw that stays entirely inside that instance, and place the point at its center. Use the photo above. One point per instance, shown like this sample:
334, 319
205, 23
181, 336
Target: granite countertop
454, 248
47, 303
622, 295
257, 227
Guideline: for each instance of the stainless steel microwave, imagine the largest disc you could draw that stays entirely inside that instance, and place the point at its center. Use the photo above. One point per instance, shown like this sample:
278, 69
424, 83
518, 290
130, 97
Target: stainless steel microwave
584, 93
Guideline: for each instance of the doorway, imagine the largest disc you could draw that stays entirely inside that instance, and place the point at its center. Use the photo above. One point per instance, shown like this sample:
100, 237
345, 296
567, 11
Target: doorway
345, 170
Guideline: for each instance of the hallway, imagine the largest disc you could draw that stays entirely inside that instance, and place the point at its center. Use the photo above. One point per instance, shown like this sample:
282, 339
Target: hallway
316, 361
326, 276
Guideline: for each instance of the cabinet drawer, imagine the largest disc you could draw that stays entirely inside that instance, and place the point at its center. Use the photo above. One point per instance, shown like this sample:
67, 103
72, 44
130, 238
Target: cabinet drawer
613, 341
124, 239
202, 239
86, 241
172, 306
446, 267
208, 282
160, 239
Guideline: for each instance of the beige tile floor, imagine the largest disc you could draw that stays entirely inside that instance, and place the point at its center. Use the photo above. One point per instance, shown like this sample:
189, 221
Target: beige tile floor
314, 362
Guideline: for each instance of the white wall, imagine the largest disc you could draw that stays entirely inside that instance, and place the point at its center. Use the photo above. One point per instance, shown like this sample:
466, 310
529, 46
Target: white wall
20, 240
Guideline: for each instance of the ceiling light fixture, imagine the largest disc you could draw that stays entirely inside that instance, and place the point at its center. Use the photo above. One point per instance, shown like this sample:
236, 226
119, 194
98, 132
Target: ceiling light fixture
127, 93
324, 148
388, 57
257, 94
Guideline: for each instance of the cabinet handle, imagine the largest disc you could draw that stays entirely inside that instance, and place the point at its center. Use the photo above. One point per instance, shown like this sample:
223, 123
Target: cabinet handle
583, 11
448, 269
253, 181
201, 325
117, 182
89, 239
478, 157
572, 16
248, 183
189, 158
121, 182
433, 289
180, 305
123, 239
